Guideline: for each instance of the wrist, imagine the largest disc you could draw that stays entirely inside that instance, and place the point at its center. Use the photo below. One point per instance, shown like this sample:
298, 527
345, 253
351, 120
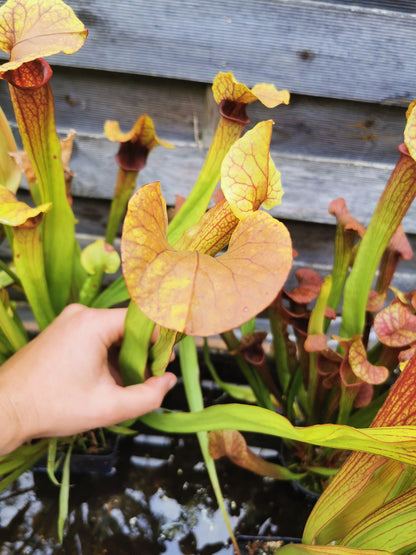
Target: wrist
12, 411
11, 436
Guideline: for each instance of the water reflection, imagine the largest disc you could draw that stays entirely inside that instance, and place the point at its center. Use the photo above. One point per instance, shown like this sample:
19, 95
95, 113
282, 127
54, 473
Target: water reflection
159, 501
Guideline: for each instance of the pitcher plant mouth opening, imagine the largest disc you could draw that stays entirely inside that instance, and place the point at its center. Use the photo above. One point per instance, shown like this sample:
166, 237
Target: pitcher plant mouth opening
31, 75
132, 156
234, 111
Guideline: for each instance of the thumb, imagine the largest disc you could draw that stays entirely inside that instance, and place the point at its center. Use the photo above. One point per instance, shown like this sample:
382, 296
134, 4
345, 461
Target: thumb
135, 400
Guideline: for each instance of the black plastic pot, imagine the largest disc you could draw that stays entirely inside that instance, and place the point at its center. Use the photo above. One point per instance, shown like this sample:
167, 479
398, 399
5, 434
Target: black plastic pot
95, 463
103, 464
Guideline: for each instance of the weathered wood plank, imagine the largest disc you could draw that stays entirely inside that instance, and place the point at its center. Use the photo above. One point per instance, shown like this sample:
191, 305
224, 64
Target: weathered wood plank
85, 99
310, 183
181, 111
403, 6
335, 128
311, 47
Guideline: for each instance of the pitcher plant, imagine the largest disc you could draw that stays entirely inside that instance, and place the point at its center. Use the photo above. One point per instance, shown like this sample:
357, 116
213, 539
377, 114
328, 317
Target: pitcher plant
221, 261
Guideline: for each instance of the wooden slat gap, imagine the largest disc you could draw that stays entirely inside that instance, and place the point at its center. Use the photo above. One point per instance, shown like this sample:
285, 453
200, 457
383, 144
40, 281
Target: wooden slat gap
336, 6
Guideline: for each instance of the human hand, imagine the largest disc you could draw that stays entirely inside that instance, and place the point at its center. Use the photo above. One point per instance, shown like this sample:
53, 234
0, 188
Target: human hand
63, 382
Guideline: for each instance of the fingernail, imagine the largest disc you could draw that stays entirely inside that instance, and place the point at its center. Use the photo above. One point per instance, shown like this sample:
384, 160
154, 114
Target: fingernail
172, 382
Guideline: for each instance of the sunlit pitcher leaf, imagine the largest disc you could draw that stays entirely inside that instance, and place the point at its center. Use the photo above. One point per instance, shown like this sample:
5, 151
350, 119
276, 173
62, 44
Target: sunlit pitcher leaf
143, 130
363, 490
391, 527
232, 98
213, 231
100, 256
360, 469
410, 130
30, 29
15, 213
399, 248
226, 88
361, 367
248, 175
395, 325
136, 144
310, 284
301, 549
23, 161
392, 206
192, 292
231, 444
339, 209
347, 231
10, 174
27, 252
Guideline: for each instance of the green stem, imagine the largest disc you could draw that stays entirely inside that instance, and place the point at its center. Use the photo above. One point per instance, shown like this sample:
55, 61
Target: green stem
343, 252
391, 208
316, 327
279, 349
196, 204
64, 491
190, 374
126, 183
240, 392
346, 403
79, 274
29, 262
90, 288
161, 351
253, 378
134, 351
115, 293
24, 458
13, 332
10, 273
